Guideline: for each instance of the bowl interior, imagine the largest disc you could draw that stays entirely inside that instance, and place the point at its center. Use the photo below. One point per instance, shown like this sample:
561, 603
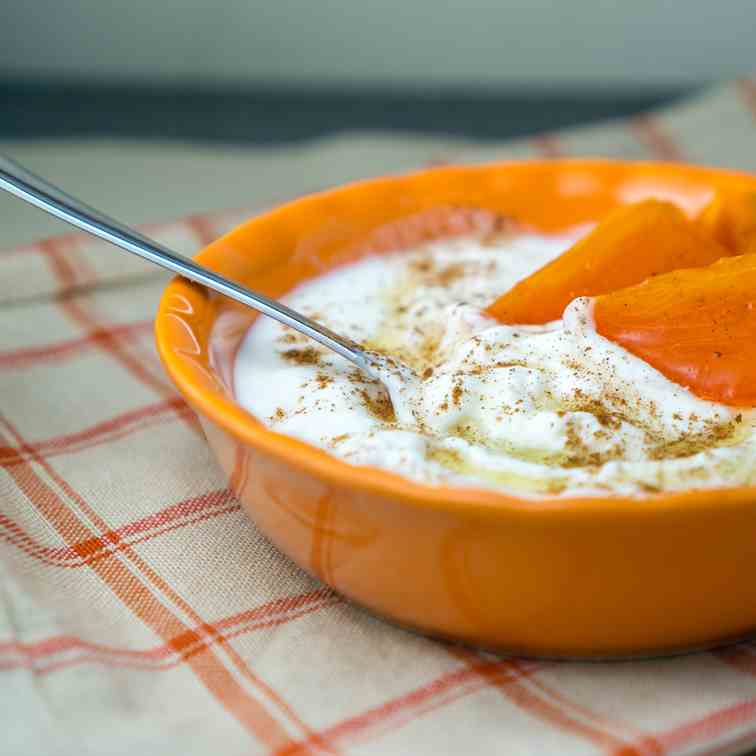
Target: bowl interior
199, 333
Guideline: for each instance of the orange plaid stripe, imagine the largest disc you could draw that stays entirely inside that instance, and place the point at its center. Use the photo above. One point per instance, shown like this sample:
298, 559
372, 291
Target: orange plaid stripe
107, 431
549, 146
399, 711
747, 89
56, 653
657, 138
95, 548
141, 601
103, 337
710, 726
547, 705
18, 358
69, 268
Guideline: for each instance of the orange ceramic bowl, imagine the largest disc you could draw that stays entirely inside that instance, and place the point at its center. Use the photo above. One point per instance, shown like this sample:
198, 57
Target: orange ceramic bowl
598, 576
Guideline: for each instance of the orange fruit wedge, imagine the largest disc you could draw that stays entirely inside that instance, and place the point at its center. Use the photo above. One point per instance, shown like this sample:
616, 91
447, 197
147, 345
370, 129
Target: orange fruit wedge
731, 220
696, 326
629, 245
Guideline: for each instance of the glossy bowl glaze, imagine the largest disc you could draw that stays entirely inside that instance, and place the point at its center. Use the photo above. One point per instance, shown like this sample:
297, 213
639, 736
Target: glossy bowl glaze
598, 576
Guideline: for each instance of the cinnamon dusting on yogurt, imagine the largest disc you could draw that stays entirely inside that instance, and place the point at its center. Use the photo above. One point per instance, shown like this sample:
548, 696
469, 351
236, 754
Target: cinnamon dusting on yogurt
530, 410
306, 356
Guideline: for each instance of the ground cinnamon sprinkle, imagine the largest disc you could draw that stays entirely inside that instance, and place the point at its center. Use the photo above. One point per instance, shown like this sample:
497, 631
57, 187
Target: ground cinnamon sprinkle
713, 435
450, 274
379, 406
649, 487
306, 356
422, 266
605, 418
457, 394
288, 338
503, 226
323, 380
579, 454
445, 457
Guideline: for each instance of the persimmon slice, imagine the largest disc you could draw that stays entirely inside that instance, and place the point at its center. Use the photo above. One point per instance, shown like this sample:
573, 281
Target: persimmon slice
696, 326
731, 220
629, 245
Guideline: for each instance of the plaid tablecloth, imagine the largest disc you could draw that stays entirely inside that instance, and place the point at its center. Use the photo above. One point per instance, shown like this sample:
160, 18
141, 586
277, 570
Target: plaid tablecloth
140, 611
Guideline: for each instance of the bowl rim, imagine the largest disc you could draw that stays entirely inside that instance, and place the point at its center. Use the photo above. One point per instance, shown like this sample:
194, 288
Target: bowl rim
243, 426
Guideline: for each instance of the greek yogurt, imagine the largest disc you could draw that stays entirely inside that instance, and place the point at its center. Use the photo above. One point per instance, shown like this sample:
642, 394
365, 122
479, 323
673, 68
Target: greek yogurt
529, 410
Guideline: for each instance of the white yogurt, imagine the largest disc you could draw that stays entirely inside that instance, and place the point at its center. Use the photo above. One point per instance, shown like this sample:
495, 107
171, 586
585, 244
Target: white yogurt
531, 410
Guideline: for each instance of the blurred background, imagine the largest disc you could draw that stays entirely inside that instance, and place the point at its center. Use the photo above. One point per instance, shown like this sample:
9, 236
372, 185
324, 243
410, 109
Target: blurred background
162, 92
247, 71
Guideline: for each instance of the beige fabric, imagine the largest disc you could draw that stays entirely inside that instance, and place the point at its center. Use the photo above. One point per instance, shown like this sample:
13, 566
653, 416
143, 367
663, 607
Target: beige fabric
139, 609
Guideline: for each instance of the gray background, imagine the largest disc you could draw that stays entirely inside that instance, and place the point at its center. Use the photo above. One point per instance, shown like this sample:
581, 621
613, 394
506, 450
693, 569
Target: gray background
482, 44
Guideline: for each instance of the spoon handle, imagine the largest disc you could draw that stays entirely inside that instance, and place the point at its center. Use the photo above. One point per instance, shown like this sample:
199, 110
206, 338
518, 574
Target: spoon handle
15, 179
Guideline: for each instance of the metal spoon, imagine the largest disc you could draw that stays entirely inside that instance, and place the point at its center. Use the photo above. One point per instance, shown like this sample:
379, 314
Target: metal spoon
15, 179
